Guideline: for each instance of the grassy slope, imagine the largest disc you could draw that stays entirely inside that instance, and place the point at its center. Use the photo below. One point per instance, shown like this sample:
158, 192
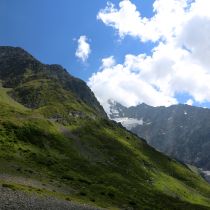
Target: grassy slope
98, 161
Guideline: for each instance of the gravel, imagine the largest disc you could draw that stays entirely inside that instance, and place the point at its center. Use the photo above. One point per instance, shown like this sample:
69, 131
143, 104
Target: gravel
13, 200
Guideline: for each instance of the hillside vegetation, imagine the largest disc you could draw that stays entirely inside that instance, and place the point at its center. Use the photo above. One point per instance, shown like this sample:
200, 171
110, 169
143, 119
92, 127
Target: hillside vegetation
54, 132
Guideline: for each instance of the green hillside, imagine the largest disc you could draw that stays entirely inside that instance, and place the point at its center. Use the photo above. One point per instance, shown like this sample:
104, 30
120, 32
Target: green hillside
53, 131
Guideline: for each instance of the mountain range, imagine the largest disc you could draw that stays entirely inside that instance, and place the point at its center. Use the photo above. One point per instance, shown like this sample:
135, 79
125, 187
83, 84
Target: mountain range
180, 131
56, 141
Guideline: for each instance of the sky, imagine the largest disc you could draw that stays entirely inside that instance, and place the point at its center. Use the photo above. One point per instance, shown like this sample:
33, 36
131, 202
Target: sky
131, 51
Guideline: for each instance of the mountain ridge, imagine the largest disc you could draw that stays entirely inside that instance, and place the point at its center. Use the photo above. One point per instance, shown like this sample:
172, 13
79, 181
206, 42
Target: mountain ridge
172, 130
26, 68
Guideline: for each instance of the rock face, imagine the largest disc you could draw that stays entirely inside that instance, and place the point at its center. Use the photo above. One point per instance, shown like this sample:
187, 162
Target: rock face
181, 131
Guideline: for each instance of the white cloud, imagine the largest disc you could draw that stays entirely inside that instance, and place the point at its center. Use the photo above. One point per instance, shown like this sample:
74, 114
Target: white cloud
127, 20
179, 62
108, 62
189, 102
118, 82
83, 50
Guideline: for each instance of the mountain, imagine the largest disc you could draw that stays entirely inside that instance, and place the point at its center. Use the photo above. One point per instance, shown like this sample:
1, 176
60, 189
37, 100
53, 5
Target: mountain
36, 85
57, 144
181, 131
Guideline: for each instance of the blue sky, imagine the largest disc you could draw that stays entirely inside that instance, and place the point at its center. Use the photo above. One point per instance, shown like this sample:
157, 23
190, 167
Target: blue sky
175, 65
48, 29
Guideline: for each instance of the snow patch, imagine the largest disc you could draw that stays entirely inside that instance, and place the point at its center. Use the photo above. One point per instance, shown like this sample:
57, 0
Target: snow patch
207, 173
114, 111
129, 123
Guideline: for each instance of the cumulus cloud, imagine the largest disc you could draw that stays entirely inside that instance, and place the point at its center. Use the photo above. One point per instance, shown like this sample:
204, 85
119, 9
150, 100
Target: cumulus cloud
119, 83
108, 62
189, 102
127, 20
179, 62
83, 50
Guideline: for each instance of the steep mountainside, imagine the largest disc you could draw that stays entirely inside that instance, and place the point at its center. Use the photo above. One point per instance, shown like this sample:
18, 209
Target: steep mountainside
180, 131
36, 85
55, 140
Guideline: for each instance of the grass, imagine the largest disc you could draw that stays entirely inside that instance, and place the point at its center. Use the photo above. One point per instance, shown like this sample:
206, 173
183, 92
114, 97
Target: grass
61, 141
99, 162
4, 98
